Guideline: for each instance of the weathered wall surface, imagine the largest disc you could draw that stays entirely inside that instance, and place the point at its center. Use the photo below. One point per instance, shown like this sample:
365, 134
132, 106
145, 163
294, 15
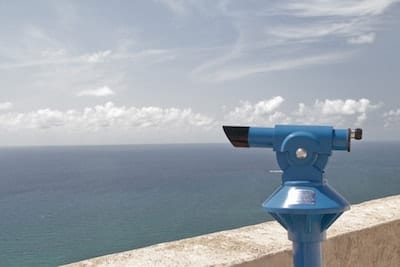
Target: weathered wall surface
367, 235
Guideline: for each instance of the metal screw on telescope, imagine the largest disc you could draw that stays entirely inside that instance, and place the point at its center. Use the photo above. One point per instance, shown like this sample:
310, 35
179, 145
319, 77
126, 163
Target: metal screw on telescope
305, 204
301, 153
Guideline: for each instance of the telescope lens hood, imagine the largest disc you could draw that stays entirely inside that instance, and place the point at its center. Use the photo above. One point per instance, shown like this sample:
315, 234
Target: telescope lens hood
237, 135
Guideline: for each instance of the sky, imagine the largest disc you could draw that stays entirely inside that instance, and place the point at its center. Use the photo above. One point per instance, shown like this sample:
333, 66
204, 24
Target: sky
175, 71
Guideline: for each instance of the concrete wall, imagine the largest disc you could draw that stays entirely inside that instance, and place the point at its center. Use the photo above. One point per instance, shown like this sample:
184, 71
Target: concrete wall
367, 235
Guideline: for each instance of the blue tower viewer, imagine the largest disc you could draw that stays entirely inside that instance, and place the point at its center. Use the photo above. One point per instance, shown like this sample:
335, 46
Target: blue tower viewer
305, 204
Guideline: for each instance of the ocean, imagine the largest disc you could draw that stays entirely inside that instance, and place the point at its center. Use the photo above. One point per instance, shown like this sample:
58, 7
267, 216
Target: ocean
64, 204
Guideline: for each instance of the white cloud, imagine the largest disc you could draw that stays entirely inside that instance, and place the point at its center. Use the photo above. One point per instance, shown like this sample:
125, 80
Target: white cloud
106, 116
336, 112
268, 106
45, 118
98, 56
102, 91
6, 105
392, 118
264, 111
343, 107
145, 121
363, 39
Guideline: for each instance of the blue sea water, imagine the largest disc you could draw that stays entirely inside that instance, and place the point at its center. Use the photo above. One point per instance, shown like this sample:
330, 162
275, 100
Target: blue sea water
63, 204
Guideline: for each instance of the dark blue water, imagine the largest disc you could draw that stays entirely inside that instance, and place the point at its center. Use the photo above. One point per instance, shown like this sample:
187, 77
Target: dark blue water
63, 204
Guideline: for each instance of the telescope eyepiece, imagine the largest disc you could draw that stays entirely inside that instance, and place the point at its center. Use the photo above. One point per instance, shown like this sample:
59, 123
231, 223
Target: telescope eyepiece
356, 134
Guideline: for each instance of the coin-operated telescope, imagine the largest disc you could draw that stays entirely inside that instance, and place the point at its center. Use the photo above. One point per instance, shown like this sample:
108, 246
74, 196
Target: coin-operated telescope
304, 203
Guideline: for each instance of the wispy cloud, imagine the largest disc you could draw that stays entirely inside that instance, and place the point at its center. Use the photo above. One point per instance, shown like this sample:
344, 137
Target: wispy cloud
363, 39
355, 21
35, 47
319, 8
243, 71
53, 53
102, 91
176, 6
276, 36
61, 58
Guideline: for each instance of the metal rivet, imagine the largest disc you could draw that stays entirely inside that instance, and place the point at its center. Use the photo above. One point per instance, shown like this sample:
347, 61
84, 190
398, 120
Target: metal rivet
301, 153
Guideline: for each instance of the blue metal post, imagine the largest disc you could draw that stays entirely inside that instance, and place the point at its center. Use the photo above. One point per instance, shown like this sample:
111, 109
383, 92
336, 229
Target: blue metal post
304, 203
307, 254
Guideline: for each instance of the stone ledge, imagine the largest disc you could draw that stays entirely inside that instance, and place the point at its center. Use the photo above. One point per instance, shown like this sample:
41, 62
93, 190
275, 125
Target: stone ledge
367, 235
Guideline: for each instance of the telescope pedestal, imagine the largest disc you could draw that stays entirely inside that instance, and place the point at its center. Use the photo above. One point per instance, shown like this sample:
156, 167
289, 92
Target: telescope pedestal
306, 210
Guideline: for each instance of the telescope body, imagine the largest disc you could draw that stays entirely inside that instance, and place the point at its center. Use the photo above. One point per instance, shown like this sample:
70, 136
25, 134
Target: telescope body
242, 136
305, 204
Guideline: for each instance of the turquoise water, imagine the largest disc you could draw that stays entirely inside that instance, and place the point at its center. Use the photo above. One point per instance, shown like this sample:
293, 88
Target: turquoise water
64, 204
